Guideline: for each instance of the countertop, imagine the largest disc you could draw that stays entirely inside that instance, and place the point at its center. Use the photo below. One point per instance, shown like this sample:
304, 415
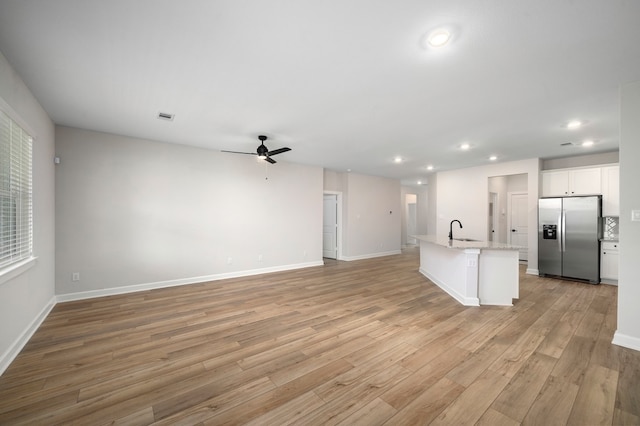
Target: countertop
455, 244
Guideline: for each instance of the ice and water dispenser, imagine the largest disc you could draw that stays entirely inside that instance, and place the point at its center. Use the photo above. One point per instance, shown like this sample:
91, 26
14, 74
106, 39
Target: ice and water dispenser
549, 232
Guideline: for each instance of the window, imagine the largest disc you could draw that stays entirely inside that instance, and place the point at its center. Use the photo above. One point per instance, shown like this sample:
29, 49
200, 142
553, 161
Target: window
16, 224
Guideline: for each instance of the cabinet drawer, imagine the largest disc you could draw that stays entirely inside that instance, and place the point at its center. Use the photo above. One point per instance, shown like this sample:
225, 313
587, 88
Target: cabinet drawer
608, 245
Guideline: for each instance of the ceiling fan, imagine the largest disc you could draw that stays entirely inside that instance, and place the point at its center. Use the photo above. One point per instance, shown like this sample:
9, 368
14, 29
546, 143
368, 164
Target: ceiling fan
263, 152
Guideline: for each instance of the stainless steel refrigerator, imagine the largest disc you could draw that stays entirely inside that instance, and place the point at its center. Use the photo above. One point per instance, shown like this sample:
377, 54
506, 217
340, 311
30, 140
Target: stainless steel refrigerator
569, 230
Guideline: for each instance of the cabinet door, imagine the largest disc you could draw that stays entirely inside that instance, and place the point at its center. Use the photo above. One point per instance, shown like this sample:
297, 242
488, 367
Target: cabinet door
611, 191
609, 264
555, 183
585, 181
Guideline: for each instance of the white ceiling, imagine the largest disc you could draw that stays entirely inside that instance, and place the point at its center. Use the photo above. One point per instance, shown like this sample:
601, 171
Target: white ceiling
346, 84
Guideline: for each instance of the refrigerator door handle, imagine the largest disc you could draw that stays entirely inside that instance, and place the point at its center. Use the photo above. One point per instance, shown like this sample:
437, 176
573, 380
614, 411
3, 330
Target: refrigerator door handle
563, 231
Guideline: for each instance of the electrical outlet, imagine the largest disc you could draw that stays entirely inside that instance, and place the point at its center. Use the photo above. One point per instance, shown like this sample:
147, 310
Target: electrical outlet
635, 215
75, 276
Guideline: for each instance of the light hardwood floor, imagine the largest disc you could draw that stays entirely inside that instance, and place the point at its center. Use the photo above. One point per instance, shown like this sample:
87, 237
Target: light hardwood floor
368, 342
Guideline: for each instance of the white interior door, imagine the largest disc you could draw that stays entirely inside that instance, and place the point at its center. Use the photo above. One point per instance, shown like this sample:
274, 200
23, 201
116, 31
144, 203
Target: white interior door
518, 218
330, 226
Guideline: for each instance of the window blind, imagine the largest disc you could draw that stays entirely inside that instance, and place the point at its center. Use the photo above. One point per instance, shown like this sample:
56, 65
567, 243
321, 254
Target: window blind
16, 218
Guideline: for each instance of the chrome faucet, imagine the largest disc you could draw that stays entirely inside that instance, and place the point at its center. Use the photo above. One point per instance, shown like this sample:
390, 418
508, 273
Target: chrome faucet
451, 228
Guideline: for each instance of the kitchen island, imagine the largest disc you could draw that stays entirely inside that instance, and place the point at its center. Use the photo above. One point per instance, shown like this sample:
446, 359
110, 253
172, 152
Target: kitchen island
472, 272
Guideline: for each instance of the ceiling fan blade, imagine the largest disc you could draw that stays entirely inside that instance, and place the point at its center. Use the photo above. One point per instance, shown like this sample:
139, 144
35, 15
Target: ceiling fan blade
262, 151
279, 151
238, 152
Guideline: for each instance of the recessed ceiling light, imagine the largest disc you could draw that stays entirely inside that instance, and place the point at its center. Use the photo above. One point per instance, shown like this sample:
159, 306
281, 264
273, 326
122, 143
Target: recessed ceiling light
493, 158
397, 160
419, 182
587, 143
574, 124
465, 146
429, 167
439, 38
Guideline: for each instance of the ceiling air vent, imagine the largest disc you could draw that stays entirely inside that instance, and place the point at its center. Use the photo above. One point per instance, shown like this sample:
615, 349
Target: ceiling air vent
567, 144
165, 116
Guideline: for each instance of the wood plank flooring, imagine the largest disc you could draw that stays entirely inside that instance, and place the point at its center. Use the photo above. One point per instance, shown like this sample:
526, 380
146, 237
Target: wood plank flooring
369, 342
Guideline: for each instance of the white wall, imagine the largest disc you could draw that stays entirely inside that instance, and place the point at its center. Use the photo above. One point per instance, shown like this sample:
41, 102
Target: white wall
335, 181
133, 212
462, 194
368, 230
373, 214
432, 211
628, 332
581, 160
517, 183
422, 210
27, 298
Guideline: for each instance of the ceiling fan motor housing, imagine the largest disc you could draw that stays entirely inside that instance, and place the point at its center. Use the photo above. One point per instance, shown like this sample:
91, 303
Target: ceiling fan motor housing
262, 150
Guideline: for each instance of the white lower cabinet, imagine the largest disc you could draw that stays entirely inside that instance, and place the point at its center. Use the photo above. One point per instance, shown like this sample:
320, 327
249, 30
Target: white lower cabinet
609, 262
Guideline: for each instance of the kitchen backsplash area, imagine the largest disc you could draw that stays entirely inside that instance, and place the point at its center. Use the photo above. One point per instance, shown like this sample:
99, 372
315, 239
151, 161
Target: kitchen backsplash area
610, 229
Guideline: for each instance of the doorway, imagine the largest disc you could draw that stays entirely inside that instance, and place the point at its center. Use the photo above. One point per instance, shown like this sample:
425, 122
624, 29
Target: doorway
518, 222
411, 201
510, 211
331, 221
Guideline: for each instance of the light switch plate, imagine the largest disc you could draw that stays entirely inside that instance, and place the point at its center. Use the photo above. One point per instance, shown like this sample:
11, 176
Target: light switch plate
635, 215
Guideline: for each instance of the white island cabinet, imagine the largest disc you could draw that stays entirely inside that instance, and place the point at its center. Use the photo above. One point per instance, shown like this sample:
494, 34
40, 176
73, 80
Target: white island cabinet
472, 272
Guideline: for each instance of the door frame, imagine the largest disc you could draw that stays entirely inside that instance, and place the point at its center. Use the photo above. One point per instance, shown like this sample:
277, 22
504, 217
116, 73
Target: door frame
338, 221
509, 211
493, 219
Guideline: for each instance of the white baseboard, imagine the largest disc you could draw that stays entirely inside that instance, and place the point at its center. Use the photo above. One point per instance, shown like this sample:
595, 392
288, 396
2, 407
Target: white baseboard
371, 255
10, 354
182, 281
626, 341
463, 300
531, 271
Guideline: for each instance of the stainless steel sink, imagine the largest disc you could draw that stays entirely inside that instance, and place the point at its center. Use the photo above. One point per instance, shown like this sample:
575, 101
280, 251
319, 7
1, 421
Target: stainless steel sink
465, 239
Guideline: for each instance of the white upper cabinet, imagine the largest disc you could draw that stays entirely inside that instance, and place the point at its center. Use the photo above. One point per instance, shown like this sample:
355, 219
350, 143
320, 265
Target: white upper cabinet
555, 183
585, 181
611, 191
571, 182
